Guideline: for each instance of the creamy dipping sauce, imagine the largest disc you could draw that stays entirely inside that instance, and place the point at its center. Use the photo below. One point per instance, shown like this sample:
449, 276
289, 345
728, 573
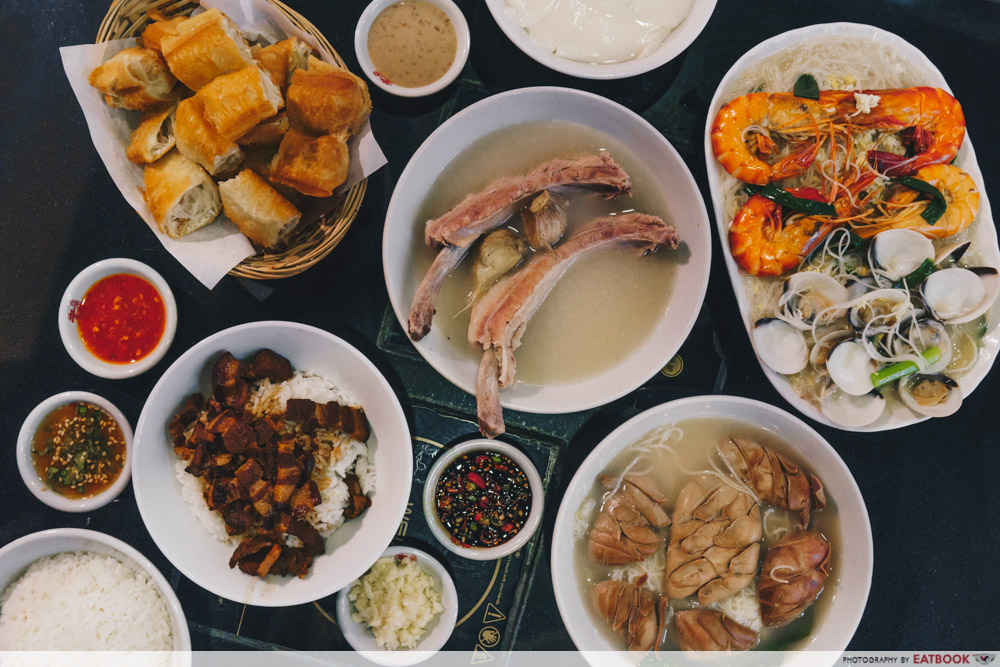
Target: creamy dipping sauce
412, 44
600, 31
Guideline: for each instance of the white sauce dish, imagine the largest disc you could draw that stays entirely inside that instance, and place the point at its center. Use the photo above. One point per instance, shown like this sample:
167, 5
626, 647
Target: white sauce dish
534, 515
37, 485
437, 632
74, 295
463, 44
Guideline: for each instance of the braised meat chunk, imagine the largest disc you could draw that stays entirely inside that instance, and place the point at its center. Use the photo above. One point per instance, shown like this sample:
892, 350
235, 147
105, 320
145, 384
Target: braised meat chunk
259, 468
268, 364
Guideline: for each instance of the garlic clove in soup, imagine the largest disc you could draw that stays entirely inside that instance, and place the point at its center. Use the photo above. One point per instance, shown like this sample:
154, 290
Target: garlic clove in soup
498, 253
545, 219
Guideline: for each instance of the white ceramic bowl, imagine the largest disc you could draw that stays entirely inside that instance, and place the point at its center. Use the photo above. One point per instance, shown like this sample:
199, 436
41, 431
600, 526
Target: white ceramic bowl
352, 548
404, 233
984, 235
534, 516
435, 636
37, 486
462, 34
74, 294
16, 556
676, 42
835, 626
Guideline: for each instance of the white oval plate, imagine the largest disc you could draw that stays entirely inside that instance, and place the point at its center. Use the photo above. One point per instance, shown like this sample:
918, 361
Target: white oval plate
841, 618
983, 236
686, 211
353, 547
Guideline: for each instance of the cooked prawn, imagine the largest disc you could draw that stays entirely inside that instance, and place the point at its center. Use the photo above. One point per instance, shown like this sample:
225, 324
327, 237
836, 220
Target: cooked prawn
931, 121
904, 209
761, 114
765, 245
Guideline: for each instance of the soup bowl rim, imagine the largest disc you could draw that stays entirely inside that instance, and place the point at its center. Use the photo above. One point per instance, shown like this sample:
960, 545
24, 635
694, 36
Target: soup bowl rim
843, 616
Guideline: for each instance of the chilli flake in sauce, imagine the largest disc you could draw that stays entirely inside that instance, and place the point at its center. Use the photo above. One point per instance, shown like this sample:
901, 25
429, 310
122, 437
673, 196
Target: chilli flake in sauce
121, 318
78, 450
483, 499
412, 44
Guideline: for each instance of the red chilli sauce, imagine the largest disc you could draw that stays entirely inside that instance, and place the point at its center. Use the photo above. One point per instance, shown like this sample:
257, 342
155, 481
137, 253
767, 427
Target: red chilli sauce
121, 318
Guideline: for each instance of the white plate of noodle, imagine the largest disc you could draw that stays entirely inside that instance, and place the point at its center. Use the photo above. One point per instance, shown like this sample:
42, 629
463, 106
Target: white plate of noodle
860, 57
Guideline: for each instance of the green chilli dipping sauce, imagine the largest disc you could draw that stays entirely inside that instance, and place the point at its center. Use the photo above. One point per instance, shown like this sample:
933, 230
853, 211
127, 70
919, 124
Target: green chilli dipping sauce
483, 499
78, 450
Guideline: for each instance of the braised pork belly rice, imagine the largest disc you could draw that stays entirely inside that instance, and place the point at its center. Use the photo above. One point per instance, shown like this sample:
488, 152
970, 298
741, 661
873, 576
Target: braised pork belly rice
80, 601
273, 462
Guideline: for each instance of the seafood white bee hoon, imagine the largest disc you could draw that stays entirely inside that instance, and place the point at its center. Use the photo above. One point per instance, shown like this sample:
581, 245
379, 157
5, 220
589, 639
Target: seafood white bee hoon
855, 229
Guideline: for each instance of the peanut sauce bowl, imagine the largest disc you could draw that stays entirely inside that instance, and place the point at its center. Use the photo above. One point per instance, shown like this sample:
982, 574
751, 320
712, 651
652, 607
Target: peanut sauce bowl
38, 486
188, 543
74, 296
463, 46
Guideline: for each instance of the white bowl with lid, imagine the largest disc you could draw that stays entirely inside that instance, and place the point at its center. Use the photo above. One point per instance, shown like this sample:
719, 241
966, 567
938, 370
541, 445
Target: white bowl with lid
444, 459
74, 295
437, 632
38, 486
462, 34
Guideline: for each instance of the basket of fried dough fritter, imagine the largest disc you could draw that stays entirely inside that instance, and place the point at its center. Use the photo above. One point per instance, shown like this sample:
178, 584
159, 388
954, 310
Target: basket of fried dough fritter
253, 130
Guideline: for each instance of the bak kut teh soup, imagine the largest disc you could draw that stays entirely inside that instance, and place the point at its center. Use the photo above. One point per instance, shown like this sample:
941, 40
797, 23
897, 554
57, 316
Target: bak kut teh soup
608, 302
710, 534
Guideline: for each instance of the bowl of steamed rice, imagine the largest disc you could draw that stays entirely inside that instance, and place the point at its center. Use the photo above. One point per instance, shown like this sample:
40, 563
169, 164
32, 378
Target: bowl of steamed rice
378, 459
402, 610
73, 589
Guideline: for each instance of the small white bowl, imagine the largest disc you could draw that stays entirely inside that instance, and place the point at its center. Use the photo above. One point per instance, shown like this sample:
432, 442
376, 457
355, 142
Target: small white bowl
37, 486
363, 641
461, 55
75, 292
534, 515
19, 554
673, 45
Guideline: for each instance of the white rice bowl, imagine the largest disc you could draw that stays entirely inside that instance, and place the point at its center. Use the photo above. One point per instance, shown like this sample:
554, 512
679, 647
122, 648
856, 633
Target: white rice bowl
336, 456
81, 601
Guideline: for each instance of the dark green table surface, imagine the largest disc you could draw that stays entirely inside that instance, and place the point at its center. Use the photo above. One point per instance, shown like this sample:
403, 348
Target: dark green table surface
931, 489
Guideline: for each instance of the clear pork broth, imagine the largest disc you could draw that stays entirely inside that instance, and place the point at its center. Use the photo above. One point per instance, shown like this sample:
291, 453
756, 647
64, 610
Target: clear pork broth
608, 302
693, 445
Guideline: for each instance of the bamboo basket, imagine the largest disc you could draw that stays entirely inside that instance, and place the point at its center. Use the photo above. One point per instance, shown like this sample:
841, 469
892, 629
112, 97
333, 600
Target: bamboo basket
128, 18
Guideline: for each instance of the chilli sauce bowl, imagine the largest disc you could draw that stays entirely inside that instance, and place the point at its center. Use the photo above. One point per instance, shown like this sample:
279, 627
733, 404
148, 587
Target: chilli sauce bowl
463, 46
534, 514
38, 487
74, 296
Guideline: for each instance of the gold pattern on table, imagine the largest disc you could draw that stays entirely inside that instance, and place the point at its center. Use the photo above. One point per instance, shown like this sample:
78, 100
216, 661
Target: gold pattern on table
673, 367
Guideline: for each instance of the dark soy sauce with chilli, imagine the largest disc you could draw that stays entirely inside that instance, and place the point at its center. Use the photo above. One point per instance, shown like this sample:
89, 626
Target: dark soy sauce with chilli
483, 499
